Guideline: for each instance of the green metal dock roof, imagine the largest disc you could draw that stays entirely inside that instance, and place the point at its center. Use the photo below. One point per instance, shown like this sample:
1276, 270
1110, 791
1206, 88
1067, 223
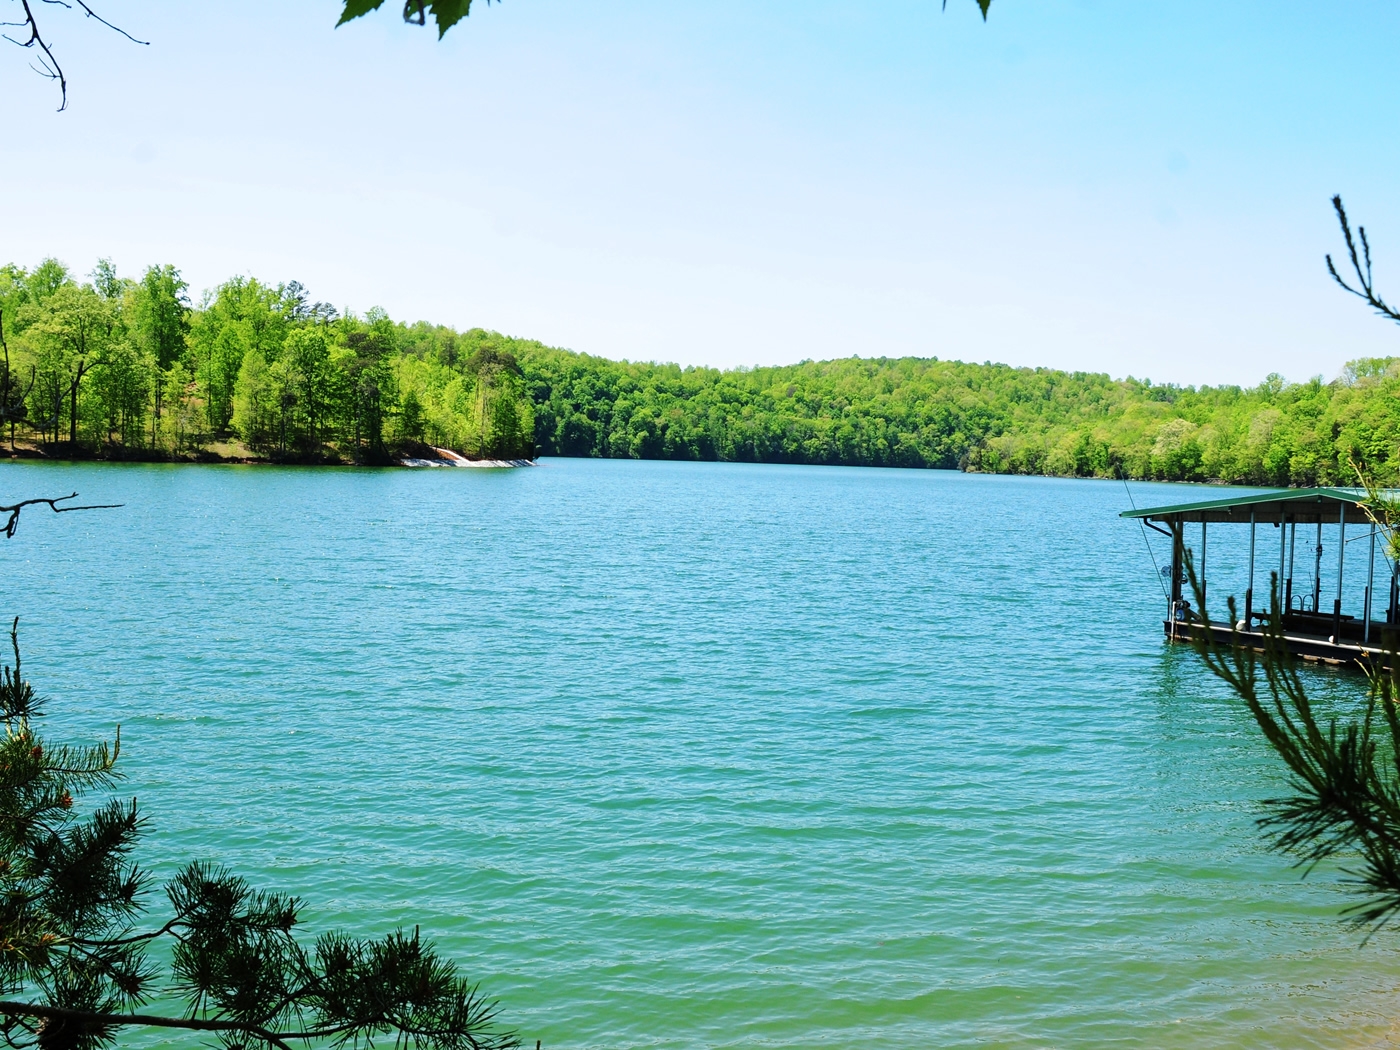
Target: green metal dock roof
1304, 506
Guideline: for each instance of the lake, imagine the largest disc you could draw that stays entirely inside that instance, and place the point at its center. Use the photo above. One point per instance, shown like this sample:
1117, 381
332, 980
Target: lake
674, 755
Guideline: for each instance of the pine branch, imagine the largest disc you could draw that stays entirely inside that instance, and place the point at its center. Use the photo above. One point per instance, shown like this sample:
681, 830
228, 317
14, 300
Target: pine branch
1366, 288
1345, 800
116, 1019
70, 895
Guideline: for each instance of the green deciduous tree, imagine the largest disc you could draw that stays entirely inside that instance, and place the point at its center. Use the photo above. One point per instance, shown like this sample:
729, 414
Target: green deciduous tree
160, 315
240, 315
14, 392
158, 321
70, 329
122, 390
306, 355
46, 279
253, 410
371, 387
500, 430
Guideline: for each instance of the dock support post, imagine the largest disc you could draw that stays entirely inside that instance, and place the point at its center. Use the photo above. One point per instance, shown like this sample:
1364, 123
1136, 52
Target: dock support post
1175, 601
1249, 591
1370, 585
1341, 557
1292, 549
1317, 569
1392, 612
1276, 587
1203, 567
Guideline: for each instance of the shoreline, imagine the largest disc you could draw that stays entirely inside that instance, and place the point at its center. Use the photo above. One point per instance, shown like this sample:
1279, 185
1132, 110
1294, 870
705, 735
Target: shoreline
448, 458
421, 456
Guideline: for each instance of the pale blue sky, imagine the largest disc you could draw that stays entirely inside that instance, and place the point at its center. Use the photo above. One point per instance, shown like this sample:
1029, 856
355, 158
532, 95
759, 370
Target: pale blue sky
1124, 187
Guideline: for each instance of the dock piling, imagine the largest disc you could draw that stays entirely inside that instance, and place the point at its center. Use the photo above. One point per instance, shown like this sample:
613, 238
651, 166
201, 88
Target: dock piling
1341, 558
1249, 591
1370, 585
1317, 570
1292, 549
1203, 566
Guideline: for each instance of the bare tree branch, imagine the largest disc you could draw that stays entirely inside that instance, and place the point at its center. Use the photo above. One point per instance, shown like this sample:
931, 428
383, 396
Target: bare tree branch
116, 29
47, 64
50, 67
13, 511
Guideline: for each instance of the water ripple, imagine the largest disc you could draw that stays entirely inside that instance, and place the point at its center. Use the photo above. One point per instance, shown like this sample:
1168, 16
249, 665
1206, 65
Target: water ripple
701, 755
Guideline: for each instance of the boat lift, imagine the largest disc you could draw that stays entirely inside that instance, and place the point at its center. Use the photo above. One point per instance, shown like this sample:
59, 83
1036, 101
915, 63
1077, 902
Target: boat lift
1313, 627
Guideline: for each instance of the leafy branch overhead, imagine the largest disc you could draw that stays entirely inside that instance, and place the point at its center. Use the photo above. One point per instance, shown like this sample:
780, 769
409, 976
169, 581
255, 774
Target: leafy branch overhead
983, 4
446, 13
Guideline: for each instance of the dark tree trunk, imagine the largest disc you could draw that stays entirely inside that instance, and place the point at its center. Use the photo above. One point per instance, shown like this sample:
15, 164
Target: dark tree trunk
83, 369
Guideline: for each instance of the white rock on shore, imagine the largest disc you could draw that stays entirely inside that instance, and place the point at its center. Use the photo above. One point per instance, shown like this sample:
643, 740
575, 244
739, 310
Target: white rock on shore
448, 458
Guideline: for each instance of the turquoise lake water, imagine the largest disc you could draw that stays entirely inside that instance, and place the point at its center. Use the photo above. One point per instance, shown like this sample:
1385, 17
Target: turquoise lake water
699, 755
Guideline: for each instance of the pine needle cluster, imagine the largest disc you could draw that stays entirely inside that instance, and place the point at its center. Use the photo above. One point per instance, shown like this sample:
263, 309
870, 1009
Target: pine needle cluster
1343, 801
77, 967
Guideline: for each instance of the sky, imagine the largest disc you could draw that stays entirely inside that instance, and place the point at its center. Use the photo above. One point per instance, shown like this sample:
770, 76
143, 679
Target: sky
1133, 188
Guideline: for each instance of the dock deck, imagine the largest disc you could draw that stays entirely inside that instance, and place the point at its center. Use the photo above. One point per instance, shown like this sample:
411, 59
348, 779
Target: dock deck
1315, 648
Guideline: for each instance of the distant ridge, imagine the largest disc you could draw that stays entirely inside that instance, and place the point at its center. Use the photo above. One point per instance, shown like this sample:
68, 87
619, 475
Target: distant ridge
925, 412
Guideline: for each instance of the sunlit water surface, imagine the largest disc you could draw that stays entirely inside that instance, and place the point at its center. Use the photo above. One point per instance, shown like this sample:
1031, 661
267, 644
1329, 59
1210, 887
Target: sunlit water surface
697, 755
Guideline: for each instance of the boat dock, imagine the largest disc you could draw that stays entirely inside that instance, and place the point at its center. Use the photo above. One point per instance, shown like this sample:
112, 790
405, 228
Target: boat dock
1315, 626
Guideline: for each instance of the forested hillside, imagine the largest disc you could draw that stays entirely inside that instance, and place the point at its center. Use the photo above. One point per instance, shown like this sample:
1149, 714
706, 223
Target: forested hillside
119, 367
130, 369
922, 412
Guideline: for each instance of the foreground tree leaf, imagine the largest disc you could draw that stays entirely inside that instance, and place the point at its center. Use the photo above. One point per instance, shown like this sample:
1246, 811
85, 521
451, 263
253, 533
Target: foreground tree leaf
983, 4
446, 13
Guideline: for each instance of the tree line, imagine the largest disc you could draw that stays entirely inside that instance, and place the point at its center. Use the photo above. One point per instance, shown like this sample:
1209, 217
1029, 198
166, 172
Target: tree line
128, 368
925, 412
